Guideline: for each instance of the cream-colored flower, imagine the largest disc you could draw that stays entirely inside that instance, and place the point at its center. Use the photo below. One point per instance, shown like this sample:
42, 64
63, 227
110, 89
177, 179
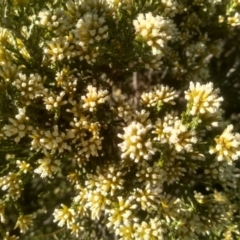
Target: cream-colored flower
125, 231
149, 176
53, 101
66, 80
147, 197
50, 141
90, 147
64, 216
30, 87
234, 20
12, 184
107, 180
155, 30
202, 99
81, 200
136, 144
96, 202
44, 17
93, 98
90, 29
59, 48
169, 206
151, 230
76, 229
54, 20
19, 126
172, 131
163, 127
174, 171
122, 214
48, 166
23, 166
24, 222
228, 146
160, 95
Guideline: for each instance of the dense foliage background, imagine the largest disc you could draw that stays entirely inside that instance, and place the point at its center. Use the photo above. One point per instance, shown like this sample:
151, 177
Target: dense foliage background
119, 119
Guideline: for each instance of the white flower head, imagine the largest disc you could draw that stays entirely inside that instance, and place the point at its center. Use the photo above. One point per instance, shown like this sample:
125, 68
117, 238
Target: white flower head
64, 216
155, 30
227, 146
203, 99
135, 143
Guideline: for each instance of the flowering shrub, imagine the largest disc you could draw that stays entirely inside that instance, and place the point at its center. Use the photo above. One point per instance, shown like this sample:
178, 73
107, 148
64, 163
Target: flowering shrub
113, 124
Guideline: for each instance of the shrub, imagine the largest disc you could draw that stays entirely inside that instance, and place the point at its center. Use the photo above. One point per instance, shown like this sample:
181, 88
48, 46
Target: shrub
117, 119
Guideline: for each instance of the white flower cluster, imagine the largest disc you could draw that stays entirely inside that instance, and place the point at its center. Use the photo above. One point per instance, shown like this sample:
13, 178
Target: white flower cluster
149, 176
53, 141
204, 102
48, 166
107, 180
53, 101
77, 30
24, 222
44, 18
228, 146
149, 230
96, 202
155, 30
147, 198
94, 98
234, 20
170, 8
90, 29
60, 48
122, 215
23, 166
18, 127
53, 20
30, 87
90, 147
203, 99
84, 132
66, 80
64, 215
12, 184
233, 15
172, 131
136, 144
161, 94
